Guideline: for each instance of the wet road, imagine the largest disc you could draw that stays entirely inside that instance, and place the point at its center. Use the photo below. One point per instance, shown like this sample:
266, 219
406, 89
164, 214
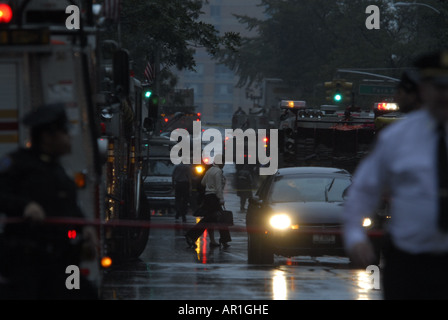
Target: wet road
167, 270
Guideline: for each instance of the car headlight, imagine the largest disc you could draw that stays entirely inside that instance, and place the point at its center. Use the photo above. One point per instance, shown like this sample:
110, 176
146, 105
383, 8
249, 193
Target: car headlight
199, 169
280, 221
367, 222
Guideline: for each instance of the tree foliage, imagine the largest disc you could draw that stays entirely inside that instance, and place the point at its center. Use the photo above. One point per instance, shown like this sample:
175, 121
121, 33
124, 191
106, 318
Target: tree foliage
168, 32
304, 42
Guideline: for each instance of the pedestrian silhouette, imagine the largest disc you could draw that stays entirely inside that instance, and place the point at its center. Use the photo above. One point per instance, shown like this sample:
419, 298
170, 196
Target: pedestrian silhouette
182, 189
244, 185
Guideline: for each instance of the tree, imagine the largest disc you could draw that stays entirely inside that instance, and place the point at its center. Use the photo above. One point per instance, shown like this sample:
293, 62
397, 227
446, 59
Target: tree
168, 32
304, 42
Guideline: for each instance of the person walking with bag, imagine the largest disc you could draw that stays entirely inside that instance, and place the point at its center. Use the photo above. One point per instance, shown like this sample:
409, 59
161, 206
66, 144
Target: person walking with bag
214, 182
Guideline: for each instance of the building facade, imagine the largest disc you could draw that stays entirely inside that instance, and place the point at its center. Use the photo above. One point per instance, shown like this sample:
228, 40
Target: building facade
215, 93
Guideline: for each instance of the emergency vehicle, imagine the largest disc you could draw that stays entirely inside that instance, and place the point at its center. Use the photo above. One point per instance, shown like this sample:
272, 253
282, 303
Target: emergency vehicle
256, 119
41, 62
325, 136
385, 114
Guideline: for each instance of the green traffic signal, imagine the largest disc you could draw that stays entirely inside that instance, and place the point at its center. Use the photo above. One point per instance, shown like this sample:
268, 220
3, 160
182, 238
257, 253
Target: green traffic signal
148, 94
337, 97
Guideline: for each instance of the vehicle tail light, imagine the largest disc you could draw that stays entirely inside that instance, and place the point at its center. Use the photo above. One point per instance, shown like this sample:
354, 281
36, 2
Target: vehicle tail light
71, 234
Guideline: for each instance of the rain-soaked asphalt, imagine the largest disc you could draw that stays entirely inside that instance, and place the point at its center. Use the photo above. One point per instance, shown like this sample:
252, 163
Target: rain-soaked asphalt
167, 270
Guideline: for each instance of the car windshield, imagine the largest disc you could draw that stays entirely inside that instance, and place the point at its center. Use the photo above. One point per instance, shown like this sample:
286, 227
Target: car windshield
309, 189
160, 168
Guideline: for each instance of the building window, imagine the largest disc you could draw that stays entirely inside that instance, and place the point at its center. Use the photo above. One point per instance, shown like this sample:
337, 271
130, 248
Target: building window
224, 91
223, 110
222, 72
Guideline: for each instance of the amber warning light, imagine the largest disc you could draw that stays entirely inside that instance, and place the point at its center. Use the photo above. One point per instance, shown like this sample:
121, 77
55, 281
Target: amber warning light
106, 262
5, 13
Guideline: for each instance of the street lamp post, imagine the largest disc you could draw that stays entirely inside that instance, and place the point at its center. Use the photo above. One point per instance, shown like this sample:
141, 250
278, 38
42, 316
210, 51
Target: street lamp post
410, 4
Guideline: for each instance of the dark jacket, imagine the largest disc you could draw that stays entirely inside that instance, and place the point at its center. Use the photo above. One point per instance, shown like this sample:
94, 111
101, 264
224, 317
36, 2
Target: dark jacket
27, 176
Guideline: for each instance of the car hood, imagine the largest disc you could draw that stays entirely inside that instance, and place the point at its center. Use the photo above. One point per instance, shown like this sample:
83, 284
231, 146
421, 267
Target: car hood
311, 212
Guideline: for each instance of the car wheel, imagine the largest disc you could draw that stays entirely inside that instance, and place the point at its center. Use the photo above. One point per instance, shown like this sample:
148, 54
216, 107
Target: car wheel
258, 251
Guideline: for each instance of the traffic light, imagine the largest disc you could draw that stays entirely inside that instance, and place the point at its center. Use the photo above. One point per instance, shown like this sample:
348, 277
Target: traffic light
148, 93
5, 13
337, 97
347, 88
338, 91
330, 90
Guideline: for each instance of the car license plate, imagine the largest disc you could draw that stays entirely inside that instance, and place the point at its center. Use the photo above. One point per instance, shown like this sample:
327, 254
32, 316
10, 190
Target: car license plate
324, 238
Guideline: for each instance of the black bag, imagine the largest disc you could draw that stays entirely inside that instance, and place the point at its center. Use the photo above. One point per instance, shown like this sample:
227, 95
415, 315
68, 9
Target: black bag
225, 217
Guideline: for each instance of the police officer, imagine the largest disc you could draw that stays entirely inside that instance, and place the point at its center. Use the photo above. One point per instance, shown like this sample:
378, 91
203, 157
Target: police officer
407, 96
34, 186
409, 166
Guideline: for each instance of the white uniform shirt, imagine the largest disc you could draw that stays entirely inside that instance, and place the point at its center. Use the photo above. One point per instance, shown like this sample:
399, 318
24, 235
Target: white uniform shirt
403, 165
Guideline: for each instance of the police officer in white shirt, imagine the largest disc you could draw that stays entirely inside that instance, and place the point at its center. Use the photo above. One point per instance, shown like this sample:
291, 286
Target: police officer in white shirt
404, 167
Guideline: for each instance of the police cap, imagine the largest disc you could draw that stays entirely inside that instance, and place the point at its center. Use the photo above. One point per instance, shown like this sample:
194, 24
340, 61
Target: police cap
50, 115
434, 67
409, 81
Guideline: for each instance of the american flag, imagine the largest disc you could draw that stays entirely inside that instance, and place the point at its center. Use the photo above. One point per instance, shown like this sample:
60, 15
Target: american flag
150, 72
112, 9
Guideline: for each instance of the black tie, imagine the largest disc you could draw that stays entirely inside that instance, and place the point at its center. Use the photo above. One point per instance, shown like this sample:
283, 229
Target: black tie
442, 158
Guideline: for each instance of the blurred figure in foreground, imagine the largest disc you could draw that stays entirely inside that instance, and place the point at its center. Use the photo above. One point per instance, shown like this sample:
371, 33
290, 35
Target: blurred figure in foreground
409, 166
407, 96
34, 255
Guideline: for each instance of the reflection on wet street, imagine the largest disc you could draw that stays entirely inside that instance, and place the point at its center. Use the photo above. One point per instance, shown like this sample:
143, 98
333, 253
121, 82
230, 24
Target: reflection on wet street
168, 270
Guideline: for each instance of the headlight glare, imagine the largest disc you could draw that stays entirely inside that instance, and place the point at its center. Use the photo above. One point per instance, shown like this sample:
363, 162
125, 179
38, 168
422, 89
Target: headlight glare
280, 221
199, 169
367, 222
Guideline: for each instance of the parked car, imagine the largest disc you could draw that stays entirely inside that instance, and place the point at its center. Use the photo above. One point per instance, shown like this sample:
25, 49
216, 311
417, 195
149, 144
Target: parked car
158, 185
298, 211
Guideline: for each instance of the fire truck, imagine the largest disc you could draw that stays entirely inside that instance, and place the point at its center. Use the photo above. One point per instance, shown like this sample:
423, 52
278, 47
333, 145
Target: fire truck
256, 119
122, 114
44, 61
329, 135
326, 136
